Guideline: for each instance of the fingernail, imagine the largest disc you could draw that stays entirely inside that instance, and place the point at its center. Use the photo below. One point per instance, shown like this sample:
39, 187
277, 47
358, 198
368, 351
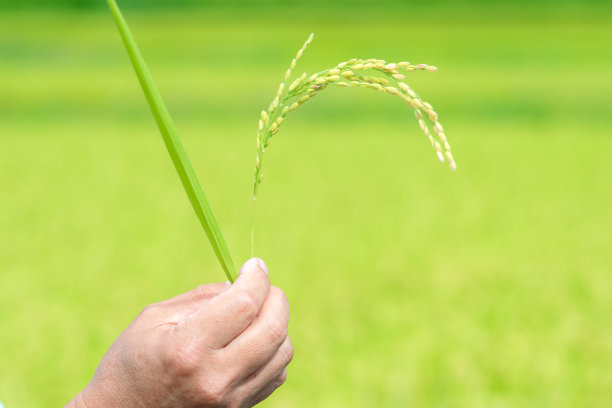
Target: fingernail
262, 265
254, 263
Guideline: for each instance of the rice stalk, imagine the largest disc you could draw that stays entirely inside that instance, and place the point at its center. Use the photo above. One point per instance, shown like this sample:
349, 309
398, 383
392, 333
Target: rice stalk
375, 74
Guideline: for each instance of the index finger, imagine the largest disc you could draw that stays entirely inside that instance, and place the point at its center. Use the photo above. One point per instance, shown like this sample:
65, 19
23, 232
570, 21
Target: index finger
226, 316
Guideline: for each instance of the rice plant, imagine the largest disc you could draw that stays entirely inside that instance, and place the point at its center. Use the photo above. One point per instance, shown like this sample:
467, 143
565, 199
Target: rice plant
363, 73
375, 74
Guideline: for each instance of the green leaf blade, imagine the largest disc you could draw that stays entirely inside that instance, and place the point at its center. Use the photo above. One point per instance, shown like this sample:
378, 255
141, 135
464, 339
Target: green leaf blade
175, 147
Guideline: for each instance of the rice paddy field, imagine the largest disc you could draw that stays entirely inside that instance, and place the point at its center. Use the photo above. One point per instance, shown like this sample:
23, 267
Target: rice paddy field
410, 285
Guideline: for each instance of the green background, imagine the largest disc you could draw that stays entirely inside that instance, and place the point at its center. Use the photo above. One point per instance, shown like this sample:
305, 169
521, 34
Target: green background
410, 285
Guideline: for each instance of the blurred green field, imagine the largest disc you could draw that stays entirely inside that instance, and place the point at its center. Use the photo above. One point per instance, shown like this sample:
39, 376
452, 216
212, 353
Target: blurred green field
410, 285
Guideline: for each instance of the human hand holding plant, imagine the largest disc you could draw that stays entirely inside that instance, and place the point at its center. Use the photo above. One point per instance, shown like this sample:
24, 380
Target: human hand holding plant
215, 346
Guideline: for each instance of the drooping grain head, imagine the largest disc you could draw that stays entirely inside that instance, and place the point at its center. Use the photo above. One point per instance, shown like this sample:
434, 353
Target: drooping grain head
375, 74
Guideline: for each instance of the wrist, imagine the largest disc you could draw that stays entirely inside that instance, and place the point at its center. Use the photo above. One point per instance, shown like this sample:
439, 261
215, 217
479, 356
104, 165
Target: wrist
77, 402
90, 398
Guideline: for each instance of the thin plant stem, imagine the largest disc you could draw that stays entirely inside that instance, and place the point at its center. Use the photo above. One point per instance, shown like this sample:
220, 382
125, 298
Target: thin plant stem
253, 228
173, 143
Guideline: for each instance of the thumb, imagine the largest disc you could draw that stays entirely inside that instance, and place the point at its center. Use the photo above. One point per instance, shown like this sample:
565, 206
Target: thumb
232, 311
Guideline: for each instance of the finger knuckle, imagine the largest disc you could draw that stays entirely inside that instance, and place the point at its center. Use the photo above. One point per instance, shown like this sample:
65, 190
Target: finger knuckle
213, 392
281, 379
201, 290
289, 353
208, 290
282, 297
245, 303
276, 331
184, 360
151, 309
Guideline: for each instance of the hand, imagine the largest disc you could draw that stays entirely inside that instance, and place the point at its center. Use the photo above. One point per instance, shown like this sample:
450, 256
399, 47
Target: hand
215, 346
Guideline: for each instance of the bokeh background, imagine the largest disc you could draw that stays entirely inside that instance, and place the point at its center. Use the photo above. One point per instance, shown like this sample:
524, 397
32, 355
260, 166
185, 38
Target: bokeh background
410, 285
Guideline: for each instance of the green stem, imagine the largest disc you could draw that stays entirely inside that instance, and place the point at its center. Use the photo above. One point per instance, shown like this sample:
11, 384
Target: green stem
253, 227
175, 147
